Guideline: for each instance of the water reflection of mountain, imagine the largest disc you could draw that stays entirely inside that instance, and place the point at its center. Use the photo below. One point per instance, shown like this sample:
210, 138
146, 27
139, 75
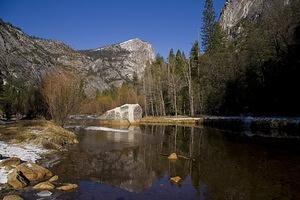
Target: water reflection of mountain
225, 166
122, 160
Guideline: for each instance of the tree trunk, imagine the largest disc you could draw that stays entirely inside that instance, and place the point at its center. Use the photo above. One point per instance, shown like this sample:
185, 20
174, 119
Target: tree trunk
152, 107
145, 97
175, 100
162, 103
191, 97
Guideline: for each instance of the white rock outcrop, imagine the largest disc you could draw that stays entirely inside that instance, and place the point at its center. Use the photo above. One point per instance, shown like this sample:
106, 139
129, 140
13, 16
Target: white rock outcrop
131, 112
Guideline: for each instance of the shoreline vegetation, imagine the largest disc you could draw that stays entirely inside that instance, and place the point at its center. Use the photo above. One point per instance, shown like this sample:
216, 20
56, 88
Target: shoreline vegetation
42, 133
277, 127
170, 120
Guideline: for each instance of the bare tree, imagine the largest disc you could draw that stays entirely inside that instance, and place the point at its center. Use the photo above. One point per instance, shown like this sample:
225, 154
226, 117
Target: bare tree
187, 72
63, 93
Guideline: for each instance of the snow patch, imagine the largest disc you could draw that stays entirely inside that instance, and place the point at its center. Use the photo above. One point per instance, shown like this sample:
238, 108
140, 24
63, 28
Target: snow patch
3, 175
26, 152
129, 41
99, 128
73, 127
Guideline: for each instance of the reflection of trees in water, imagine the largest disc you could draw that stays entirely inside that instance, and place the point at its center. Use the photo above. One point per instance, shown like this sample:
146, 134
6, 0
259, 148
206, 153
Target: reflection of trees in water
235, 168
225, 167
232, 167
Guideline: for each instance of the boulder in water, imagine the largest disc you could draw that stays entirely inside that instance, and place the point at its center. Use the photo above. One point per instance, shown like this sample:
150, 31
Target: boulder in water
173, 156
175, 179
67, 186
53, 178
44, 186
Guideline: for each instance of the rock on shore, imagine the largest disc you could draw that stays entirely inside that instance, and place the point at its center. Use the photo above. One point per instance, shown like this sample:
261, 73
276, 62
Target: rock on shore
27, 141
128, 112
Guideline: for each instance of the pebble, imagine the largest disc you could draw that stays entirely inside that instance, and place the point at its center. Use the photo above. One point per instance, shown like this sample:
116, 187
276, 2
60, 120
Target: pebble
12, 197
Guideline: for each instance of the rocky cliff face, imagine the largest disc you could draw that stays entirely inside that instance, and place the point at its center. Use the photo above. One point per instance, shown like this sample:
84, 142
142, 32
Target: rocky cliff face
29, 58
26, 57
235, 11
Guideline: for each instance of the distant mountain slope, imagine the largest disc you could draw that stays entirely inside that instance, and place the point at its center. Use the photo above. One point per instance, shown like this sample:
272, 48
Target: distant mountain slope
29, 58
119, 62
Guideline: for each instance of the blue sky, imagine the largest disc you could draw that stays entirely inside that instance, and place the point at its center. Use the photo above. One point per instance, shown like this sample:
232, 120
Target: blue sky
89, 24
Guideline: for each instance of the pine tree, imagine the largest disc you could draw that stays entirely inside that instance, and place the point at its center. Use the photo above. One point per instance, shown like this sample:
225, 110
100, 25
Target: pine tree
173, 81
209, 21
217, 43
194, 59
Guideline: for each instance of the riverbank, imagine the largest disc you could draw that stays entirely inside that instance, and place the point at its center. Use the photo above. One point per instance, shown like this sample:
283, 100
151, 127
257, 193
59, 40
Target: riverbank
29, 140
262, 126
45, 134
280, 127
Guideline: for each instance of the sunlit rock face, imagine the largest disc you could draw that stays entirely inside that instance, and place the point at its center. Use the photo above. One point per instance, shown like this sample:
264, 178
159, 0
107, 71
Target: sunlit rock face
129, 112
28, 58
235, 10
118, 63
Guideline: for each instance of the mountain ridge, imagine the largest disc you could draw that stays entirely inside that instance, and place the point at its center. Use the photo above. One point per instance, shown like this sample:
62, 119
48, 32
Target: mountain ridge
29, 57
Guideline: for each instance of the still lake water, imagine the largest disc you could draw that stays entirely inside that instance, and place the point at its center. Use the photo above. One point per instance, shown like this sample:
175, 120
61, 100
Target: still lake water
224, 165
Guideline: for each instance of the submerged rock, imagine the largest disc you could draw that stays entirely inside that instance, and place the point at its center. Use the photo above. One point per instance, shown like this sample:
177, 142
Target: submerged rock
12, 197
67, 186
44, 186
129, 112
17, 180
44, 193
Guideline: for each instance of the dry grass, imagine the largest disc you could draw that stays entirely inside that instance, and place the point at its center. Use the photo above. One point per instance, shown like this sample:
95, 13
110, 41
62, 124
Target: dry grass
38, 132
169, 120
